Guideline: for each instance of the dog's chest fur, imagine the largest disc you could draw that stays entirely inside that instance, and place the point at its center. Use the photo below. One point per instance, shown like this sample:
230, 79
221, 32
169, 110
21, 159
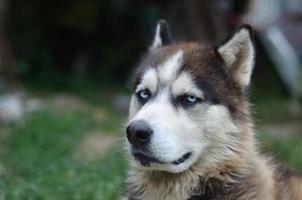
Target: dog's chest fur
190, 186
258, 181
212, 189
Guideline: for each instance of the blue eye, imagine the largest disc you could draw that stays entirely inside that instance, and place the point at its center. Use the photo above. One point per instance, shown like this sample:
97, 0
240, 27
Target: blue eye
191, 99
188, 100
143, 95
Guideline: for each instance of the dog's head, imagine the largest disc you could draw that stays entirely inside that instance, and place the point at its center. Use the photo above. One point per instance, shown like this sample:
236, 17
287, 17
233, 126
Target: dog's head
188, 101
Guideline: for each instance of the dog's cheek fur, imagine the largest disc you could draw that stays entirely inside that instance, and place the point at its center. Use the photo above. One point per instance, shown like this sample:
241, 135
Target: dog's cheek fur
217, 130
219, 121
222, 133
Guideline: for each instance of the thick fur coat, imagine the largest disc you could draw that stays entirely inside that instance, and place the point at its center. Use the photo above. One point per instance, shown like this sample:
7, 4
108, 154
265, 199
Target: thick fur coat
190, 135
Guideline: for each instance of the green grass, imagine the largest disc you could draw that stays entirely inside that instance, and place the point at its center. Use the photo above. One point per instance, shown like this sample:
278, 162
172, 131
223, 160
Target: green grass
272, 109
287, 149
39, 161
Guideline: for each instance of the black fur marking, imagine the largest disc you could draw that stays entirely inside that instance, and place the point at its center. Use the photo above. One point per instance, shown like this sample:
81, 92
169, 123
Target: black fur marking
164, 33
211, 189
210, 95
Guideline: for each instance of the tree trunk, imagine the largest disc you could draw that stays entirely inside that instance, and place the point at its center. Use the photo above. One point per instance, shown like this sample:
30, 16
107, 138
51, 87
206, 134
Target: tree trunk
7, 67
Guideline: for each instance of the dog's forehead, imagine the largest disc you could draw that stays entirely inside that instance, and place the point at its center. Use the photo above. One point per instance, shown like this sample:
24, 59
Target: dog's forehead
167, 63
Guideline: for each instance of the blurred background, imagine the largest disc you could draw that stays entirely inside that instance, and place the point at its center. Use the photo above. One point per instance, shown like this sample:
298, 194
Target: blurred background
64, 69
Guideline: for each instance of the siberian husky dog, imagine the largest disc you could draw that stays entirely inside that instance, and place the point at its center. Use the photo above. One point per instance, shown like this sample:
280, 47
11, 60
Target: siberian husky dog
189, 134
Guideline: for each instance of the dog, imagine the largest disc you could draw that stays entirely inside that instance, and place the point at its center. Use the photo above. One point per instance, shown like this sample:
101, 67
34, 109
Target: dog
190, 133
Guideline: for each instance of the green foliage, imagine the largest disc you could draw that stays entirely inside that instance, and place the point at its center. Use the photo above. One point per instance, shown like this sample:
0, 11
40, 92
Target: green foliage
286, 149
273, 110
268, 108
39, 161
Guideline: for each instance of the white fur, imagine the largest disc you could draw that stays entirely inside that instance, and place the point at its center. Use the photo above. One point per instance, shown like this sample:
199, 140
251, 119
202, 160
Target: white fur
157, 41
184, 85
169, 69
238, 54
149, 80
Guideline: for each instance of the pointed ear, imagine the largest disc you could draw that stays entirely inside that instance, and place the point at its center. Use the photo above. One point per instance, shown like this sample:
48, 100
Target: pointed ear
238, 54
162, 35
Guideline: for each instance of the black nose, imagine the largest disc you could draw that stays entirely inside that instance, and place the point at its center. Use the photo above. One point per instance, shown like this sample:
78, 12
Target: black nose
139, 133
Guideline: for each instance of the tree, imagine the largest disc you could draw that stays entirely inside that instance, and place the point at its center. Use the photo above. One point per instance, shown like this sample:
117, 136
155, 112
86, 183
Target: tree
7, 70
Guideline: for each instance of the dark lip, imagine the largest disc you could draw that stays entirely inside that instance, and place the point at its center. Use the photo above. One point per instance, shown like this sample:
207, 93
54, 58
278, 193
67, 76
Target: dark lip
182, 159
146, 160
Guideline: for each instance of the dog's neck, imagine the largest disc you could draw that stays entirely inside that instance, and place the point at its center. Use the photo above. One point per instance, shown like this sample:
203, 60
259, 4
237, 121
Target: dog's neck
188, 185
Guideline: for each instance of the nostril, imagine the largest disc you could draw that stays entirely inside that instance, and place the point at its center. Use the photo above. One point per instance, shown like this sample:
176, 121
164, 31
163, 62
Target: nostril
144, 135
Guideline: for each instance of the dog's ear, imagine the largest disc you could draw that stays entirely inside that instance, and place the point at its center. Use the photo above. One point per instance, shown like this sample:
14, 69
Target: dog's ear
238, 55
162, 35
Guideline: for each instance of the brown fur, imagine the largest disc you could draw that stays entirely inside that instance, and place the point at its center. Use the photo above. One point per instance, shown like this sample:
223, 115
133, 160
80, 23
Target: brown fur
246, 175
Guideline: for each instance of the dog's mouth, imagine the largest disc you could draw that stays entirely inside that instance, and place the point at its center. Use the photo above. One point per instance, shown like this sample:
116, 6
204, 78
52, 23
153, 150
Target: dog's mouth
146, 160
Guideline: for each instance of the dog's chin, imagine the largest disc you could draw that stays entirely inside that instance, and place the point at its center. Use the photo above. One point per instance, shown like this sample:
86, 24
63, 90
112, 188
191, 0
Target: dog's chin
176, 166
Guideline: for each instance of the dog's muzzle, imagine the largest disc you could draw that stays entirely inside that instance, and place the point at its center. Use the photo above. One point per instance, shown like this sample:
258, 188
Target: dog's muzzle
139, 134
